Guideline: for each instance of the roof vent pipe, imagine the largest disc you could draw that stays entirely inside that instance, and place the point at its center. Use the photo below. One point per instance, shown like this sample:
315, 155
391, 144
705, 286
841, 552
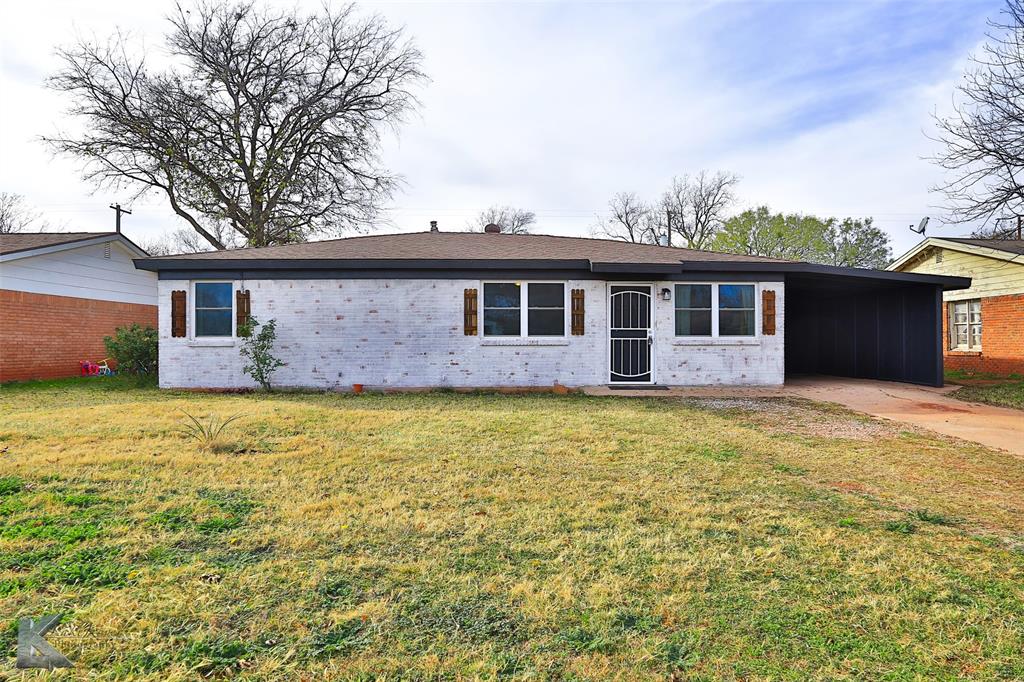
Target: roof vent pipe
433, 226
491, 228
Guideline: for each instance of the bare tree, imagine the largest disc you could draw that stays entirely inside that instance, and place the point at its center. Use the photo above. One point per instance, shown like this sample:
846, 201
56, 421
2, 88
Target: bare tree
510, 220
629, 220
16, 215
695, 208
1007, 227
187, 240
984, 136
270, 121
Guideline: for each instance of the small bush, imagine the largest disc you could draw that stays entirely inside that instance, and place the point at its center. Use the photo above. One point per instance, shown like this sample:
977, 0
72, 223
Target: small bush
134, 348
257, 349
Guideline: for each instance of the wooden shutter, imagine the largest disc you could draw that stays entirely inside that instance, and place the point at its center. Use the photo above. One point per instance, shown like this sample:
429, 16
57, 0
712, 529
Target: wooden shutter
768, 313
241, 309
577, 311
178, 313
469, 312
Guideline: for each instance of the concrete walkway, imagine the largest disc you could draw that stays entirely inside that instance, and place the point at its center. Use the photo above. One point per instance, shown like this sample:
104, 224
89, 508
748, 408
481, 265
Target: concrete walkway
930, 408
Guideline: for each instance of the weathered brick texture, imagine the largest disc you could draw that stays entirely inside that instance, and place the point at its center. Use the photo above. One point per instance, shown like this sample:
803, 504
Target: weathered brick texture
45, 337
409, 333
1002, 339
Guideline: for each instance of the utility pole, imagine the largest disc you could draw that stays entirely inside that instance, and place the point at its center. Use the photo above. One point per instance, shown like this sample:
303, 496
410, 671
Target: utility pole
1018, 226
668, 227
118, 210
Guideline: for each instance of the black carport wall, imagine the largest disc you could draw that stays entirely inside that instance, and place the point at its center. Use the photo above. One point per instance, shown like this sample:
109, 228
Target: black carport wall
864, 326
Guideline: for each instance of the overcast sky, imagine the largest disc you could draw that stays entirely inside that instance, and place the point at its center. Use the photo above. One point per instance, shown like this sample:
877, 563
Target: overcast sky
820, 107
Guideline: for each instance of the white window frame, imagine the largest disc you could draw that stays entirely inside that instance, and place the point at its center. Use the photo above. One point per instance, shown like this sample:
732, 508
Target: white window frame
715, 334
524, 309
951, 325
195, 299
714, 317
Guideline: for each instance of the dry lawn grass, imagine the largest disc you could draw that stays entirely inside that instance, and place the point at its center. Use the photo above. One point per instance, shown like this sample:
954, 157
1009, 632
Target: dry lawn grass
494, 536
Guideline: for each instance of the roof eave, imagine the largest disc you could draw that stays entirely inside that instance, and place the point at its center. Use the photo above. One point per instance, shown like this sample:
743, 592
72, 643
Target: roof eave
98, 238
948, 283
200, 264
953, 245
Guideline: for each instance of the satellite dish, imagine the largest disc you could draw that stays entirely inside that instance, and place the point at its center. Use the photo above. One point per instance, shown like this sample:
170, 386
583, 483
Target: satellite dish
921, 226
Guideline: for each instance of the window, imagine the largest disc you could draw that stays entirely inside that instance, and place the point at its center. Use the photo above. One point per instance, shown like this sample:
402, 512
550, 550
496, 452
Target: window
504, 303
502, 311
716, 310
545, 309
735, 309
693, 310
965, 325
213, 309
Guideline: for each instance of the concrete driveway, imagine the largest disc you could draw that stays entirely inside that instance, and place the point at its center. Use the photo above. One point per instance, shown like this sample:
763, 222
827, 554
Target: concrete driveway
926, 407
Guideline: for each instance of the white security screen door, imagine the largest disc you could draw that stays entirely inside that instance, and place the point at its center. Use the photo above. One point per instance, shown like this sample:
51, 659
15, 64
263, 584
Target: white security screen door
629, 334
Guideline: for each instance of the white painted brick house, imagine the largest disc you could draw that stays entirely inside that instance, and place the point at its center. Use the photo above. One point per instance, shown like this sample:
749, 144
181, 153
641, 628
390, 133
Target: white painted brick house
496, 310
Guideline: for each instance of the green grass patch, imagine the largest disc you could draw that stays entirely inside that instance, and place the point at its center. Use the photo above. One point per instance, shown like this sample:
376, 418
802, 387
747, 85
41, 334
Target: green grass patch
1005, 394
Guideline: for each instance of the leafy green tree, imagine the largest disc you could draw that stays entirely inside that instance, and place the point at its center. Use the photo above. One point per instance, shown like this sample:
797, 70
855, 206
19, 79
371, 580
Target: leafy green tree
258, 350
850, 242
855, 243
134, 348
759, 232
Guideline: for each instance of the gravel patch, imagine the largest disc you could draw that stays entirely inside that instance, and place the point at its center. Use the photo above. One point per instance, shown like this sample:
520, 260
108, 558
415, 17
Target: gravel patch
803, 418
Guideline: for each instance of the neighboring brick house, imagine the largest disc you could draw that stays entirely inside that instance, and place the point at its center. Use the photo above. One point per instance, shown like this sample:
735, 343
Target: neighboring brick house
61, 293
434, 309
983, 328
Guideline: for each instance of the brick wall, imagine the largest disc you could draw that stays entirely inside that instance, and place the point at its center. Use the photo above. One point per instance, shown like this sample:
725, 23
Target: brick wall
409, 333
1002, 338
45, 337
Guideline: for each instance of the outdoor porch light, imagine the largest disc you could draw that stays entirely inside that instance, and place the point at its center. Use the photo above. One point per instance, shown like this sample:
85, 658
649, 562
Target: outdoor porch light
666, 294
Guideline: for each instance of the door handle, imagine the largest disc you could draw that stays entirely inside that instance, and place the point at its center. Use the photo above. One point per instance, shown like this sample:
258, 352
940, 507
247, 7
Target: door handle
650, 340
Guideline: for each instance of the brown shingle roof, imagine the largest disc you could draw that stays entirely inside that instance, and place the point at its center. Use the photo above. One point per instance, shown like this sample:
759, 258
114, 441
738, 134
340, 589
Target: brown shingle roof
1008, 245
476, 246
26, 241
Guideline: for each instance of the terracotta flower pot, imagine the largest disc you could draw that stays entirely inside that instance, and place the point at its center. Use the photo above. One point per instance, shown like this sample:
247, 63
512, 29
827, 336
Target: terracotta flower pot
357, 388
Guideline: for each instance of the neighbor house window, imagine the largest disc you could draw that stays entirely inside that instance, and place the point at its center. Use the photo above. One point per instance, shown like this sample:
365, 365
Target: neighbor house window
504, 303
693, 310
213, 309
545, 309
735, 309
965, 325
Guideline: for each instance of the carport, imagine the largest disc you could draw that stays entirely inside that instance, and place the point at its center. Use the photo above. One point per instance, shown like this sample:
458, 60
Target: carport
865, 324
854, 322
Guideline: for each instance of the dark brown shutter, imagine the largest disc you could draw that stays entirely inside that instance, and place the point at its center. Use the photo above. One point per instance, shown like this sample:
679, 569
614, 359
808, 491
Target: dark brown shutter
768, 313
578, 320
469, 312
241, 309
177, 313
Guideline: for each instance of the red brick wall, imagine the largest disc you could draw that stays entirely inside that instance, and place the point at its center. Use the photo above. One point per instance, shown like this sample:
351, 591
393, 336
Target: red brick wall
1002, 338
45, 337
